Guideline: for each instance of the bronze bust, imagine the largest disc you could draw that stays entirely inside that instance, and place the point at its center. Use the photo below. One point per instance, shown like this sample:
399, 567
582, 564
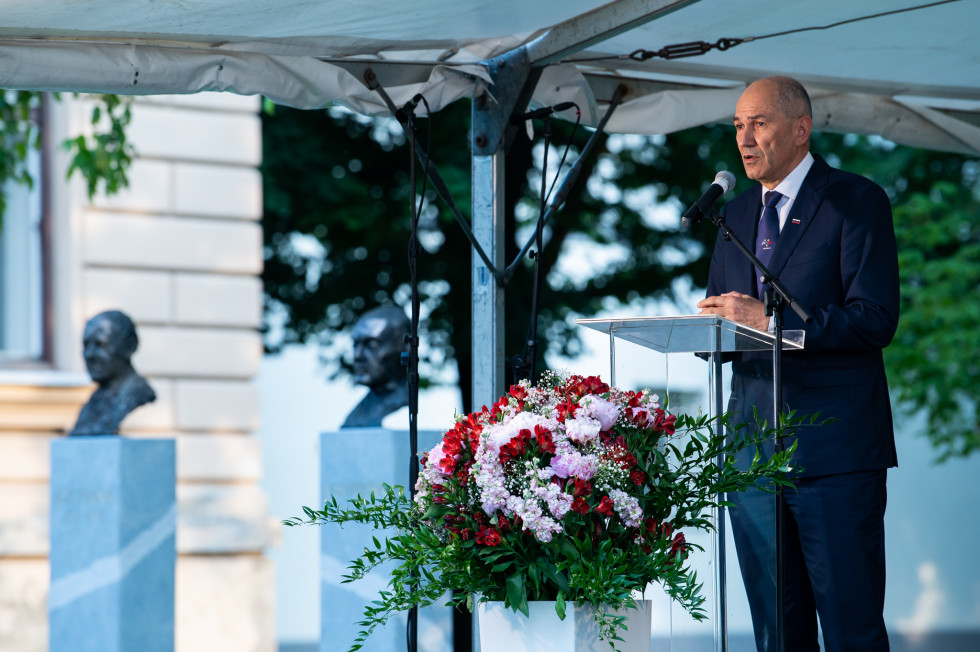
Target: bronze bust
380, 338
109, 342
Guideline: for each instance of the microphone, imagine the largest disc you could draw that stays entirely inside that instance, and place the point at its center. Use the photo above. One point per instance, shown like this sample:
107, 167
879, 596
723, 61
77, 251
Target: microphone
408, 108
542, 112
724, 181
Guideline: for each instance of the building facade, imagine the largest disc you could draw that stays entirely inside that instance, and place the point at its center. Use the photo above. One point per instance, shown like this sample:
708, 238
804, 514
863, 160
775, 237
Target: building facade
180, 251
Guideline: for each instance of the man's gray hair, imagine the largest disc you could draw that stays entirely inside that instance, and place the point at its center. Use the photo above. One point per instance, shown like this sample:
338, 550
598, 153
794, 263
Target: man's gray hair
794, 101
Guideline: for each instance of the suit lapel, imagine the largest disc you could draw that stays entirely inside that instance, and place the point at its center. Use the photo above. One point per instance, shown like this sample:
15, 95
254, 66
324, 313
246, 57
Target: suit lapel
801, 215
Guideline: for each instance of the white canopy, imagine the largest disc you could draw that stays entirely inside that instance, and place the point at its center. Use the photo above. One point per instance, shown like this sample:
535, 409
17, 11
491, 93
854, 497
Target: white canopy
913, 76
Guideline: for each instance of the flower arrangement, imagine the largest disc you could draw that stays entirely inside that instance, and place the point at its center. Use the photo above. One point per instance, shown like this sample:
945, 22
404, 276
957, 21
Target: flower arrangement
570, 490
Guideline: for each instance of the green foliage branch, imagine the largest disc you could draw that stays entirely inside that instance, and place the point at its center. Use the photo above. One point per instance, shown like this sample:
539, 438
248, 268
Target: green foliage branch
102, 158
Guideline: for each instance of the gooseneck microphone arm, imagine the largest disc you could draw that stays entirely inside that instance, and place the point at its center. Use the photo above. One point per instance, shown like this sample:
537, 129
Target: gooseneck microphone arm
543, 112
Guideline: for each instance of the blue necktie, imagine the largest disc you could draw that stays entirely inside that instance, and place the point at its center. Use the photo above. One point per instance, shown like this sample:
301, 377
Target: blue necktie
768, 232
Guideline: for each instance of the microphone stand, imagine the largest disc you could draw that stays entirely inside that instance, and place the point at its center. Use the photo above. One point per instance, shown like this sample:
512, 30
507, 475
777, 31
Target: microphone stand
412, 361
776, 298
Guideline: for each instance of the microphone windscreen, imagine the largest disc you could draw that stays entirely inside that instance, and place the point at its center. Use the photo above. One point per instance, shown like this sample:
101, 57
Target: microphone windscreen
725, 179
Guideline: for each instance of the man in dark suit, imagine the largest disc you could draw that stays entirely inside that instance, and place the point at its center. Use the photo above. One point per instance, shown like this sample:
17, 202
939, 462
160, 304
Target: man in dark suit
828, 235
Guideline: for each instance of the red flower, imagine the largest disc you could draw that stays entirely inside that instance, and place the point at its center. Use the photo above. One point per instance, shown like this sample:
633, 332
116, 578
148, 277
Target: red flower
463, 472
487, 536
679, 544
515, 447
566, 410
545, 441
664, 422
605, 506
582, 488
579, 505
519, 393
577, 386
638, 477
617, 451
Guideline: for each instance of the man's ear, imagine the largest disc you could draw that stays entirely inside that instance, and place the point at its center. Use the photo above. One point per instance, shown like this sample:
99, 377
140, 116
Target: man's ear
803, 127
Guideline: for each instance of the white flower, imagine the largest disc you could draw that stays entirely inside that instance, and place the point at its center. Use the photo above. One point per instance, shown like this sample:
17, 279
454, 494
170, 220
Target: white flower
501, 433
628, 508
582, 429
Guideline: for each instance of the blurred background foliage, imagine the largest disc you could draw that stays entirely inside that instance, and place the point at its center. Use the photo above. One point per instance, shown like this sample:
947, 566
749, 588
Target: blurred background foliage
336, 227
337, 221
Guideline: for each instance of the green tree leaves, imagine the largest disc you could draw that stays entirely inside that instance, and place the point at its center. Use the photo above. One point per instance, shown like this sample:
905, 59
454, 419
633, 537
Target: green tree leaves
102, 158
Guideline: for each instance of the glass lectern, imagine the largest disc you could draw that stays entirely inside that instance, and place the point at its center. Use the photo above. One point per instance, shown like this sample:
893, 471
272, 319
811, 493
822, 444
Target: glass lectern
711, 337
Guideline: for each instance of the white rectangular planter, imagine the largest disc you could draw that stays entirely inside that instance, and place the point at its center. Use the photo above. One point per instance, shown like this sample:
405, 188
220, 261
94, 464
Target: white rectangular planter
503, 630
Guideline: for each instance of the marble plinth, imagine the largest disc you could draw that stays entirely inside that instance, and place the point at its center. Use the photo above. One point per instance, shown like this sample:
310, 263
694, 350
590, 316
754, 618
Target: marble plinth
357, 461
113, 545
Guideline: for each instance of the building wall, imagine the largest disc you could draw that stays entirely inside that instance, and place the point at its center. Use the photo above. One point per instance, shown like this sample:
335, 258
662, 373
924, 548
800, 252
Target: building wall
180, 252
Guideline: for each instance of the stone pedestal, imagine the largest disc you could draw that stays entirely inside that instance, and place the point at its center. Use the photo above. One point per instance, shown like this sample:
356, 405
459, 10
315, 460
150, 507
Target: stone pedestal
357, 461
113, 545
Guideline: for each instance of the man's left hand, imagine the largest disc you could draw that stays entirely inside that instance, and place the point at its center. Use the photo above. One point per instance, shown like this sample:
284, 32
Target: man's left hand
743, 308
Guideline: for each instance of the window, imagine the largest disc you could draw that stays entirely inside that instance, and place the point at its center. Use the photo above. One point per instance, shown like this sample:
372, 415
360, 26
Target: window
21, 289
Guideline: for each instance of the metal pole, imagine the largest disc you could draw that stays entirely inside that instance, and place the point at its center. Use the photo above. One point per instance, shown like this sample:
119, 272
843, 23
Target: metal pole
716, 390
488, 296
612, 355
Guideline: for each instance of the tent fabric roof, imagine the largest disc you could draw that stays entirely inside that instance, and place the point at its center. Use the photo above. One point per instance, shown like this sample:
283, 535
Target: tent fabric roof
912, 76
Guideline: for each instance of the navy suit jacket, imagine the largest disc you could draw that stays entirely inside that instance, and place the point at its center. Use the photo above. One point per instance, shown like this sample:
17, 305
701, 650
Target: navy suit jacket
837, 255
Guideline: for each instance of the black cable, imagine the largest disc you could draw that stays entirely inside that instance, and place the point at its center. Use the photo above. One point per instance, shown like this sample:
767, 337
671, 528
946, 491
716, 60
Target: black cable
525, 365
850, 20
568, 146
570, 178
437, 182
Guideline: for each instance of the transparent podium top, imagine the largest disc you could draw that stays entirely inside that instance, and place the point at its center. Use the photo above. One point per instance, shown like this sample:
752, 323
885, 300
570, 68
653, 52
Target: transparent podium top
691, 333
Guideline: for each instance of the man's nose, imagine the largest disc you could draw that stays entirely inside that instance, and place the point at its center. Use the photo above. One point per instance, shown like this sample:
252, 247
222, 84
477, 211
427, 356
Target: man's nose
745, 137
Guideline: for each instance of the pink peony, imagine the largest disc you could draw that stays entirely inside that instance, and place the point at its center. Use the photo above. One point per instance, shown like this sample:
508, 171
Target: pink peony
603, 411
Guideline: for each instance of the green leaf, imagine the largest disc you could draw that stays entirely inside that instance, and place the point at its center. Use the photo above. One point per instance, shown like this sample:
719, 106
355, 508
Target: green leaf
517, 593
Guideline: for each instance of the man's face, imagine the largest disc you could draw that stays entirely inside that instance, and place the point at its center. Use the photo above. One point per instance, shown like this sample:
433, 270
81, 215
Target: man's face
377, 352
104, 350
770, 142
